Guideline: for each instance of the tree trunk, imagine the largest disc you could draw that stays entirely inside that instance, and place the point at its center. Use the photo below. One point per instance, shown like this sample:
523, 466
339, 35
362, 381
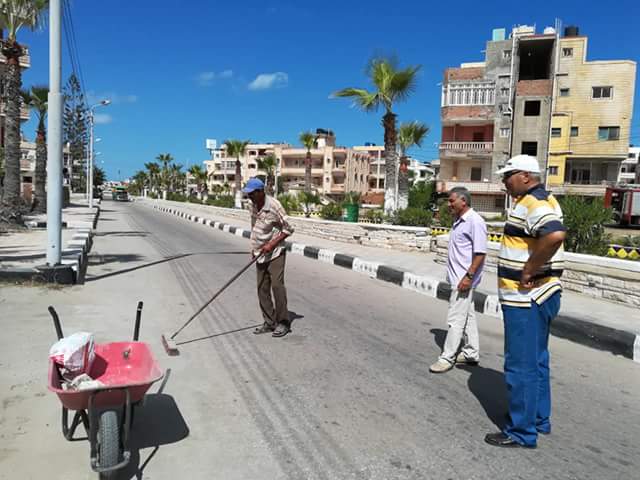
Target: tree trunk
270, 183
238, 202
403, 183
40, 197
11, 201
391, 162
307, 172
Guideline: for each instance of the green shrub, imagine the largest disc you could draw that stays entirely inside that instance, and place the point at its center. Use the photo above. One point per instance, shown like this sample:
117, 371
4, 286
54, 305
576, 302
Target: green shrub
585, 219
421, 195
445, 217
224, 201
176, 197
194, 199
153, 195
413, 217
331, 211
627, 241
352, 198
374, 215
289, 203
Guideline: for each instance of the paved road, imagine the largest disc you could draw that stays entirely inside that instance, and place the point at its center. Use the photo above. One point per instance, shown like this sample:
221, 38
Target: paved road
347, 395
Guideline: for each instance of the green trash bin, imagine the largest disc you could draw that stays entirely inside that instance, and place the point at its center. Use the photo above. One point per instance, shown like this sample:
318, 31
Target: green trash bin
352, 210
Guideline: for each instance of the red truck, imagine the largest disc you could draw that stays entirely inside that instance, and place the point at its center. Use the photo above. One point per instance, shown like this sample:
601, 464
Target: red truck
625, 202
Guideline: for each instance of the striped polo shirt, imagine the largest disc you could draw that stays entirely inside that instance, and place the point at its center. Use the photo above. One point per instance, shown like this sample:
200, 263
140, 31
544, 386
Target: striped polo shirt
532, 216
266, 223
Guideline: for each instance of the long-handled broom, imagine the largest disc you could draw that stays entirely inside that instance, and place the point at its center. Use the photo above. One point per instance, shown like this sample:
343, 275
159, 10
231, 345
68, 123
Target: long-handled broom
170, 346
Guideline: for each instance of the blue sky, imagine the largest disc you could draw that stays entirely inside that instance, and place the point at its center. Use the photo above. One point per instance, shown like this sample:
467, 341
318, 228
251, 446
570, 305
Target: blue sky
181, 72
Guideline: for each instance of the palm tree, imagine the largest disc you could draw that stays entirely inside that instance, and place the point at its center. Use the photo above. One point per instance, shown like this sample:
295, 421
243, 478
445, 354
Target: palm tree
14, 15
200, 176
140, 180
153, 170
308, 140
236, 148
268, 164
165, 159
410, 134
392, 85
176, 178
37, 98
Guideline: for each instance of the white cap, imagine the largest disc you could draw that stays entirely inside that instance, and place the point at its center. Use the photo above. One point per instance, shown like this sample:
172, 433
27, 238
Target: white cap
522, 163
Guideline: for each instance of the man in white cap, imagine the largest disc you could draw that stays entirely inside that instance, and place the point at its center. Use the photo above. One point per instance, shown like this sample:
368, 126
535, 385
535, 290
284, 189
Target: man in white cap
529, 270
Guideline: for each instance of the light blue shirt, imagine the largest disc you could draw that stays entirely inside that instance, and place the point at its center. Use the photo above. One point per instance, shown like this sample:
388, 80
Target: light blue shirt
468, 236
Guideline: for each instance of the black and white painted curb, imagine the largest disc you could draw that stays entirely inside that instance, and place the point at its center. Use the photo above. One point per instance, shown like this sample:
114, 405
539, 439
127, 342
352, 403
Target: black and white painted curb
578, 330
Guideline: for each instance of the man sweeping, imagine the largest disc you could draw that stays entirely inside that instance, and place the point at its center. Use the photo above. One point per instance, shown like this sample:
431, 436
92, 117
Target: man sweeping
269, 228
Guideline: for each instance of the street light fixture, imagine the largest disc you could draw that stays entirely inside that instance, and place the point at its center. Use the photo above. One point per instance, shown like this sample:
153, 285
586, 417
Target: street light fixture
102, 103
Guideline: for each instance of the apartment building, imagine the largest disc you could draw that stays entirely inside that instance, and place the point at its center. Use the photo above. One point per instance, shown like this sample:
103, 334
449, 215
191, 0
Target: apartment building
629, 171
591, 122
535, 94
335, 170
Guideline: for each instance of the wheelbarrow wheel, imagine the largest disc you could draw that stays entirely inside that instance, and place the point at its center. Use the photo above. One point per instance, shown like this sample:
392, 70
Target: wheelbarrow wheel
108, 442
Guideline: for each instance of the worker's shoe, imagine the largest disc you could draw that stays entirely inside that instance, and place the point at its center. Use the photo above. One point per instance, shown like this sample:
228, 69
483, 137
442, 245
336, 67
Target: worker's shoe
441, 366
462, 359
281, 330
264, 328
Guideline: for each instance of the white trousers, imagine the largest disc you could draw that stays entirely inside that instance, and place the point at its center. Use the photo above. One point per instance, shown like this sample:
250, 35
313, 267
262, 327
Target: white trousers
463, 328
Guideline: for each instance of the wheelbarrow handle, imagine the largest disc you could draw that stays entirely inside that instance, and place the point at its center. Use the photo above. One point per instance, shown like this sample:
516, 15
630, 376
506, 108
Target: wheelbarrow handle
136, 330
56, 322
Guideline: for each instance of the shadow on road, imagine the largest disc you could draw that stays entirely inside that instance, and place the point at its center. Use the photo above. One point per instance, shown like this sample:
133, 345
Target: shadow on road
489, 387
486, 384
158, 422
102, 259
122, 234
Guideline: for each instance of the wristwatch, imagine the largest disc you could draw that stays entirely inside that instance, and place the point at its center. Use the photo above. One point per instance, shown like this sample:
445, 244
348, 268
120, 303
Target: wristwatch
469, 275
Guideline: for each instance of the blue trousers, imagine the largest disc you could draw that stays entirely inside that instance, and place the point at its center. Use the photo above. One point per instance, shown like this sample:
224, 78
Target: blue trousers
526, 369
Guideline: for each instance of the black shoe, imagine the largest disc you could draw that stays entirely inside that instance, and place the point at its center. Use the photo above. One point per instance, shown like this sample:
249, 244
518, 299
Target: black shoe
281, 330
264, 328
502, 440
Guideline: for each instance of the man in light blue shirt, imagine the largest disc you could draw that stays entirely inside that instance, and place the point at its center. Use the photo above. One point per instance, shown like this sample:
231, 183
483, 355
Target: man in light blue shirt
465, 260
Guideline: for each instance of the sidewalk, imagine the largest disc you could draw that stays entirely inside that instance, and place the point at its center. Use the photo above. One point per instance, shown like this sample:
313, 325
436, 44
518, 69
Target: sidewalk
596, 323
23, 253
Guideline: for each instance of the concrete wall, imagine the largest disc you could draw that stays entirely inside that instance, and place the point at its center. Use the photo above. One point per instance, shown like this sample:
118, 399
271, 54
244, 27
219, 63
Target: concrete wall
600, 277
388, 236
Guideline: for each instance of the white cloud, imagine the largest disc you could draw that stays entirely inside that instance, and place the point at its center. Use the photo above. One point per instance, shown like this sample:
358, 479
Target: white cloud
206, 79
102, 118
93, 98
265, 81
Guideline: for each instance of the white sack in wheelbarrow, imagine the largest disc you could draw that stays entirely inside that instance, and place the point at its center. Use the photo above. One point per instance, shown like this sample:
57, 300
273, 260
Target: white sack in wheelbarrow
74, 354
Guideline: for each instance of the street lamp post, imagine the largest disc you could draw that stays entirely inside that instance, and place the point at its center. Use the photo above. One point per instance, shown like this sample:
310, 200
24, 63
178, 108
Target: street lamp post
103, 103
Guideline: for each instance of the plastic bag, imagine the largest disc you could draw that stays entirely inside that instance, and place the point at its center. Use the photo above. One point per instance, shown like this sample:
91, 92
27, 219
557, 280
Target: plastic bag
74, 354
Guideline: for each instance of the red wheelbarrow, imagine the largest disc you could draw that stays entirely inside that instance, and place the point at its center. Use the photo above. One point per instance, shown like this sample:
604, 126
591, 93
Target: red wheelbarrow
126, 370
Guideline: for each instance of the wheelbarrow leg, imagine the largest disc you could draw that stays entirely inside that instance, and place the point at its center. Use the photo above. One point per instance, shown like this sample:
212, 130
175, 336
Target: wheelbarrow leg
80, 416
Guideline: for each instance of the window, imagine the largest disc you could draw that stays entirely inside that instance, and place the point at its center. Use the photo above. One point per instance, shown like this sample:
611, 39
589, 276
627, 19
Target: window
553, 170
478, 136
602, 92
476, 174
474, 93
567, 52
532, 108
499, 202
564, 92
504, 132
529, 148
556, 132
608, 133
504, 92
632, 155
506, 54
574, 131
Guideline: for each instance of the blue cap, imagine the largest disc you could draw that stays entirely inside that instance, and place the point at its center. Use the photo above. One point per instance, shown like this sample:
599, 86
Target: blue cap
252, 185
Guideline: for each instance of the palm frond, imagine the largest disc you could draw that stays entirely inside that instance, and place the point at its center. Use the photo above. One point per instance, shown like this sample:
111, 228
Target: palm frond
410, 134
308, 140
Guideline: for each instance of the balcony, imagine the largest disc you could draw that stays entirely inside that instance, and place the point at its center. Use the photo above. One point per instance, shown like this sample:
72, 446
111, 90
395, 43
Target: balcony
300, 171
24, 111
337, 188
594, 190
456, 149
25, 60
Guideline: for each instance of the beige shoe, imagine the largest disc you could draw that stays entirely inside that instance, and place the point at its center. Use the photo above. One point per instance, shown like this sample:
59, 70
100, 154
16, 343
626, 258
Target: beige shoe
441, 366
463, 360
